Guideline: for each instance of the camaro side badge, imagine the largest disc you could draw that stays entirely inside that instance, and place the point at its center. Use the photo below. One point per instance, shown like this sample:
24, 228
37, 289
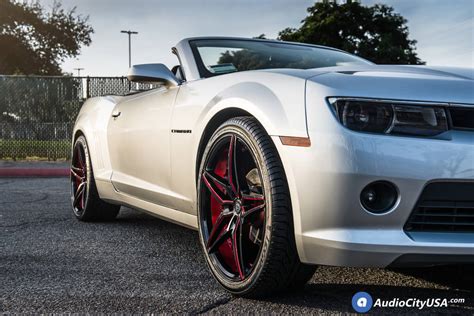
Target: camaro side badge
181, 131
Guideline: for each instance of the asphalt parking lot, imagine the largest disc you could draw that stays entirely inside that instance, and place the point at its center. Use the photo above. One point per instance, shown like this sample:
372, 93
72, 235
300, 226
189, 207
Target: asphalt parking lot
50, 262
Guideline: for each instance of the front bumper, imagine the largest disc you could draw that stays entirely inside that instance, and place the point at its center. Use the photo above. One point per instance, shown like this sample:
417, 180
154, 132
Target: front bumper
331, 226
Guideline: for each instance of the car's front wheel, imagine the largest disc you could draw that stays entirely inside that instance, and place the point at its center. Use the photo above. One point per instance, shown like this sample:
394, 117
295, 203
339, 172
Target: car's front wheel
85, 201
244, 210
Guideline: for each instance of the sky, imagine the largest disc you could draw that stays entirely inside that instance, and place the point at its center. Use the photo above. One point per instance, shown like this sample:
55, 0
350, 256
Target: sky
444, 29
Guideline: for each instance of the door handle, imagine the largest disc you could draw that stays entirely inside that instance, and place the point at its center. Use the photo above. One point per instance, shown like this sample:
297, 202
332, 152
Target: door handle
116, 114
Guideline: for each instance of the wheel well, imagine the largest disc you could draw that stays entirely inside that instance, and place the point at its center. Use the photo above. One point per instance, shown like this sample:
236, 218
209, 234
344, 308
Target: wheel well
216, 121
77, 134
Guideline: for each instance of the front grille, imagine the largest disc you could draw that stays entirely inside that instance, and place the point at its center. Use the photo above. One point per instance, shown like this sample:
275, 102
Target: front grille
444, 207
462, 118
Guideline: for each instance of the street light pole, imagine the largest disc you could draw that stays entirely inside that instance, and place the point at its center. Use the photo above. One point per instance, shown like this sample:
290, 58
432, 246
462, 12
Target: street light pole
78, 71
129, 45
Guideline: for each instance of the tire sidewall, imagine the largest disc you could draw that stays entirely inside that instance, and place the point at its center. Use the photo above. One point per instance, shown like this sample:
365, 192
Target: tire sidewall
245, 286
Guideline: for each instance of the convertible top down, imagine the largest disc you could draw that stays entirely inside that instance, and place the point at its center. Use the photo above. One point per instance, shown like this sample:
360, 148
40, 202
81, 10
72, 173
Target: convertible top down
285, 156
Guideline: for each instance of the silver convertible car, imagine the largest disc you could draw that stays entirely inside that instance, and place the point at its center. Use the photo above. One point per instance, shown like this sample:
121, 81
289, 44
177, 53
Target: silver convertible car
285, 156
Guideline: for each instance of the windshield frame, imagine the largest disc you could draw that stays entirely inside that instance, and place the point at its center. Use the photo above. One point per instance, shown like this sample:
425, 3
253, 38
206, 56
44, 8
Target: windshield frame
205, 73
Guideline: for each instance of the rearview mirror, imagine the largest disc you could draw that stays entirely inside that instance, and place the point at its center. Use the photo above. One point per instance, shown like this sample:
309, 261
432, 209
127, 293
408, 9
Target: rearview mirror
152, 73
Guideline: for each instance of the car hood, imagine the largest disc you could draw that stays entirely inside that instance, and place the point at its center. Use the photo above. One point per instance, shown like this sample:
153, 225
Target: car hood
420, 83
399, 71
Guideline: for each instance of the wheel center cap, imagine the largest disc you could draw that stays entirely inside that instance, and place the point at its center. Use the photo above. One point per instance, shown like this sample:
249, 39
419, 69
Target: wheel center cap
237, 206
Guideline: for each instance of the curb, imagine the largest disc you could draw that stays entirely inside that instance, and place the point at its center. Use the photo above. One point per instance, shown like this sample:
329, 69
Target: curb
34, 172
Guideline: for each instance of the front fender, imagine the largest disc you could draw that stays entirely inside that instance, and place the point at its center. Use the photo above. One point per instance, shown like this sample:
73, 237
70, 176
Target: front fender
278, 106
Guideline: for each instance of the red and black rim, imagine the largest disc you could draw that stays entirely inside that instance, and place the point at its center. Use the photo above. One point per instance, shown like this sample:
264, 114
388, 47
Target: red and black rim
232, 202
78, 179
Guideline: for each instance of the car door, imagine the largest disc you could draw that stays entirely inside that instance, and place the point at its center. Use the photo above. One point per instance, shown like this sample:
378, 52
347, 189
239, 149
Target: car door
139, 142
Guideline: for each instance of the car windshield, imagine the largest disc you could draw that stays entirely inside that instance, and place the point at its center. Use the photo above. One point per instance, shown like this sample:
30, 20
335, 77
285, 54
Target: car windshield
216, 56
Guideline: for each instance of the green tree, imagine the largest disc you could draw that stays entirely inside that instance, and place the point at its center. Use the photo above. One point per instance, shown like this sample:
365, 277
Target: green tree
374, 32
34, 41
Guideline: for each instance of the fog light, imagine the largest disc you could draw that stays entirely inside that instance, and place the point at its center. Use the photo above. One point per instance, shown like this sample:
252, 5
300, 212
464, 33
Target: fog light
379, 197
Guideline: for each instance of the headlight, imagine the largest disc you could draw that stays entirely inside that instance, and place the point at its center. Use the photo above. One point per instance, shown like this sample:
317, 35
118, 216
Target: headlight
387, 117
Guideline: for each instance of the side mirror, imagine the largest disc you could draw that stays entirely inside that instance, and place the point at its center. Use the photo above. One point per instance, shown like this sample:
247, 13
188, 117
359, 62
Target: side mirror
152, 73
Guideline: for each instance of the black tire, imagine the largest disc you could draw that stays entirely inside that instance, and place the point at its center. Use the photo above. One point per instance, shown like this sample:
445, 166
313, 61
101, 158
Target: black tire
277, 266
85, 201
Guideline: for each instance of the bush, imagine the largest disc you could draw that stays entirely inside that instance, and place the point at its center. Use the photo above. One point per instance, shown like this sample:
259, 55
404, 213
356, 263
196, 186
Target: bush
38, 149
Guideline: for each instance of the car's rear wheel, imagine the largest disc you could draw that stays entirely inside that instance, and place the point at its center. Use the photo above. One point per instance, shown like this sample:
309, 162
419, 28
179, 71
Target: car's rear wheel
244, 210
85, 200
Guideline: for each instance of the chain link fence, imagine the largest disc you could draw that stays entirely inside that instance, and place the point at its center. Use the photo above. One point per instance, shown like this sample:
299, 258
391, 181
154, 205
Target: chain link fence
37, 114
